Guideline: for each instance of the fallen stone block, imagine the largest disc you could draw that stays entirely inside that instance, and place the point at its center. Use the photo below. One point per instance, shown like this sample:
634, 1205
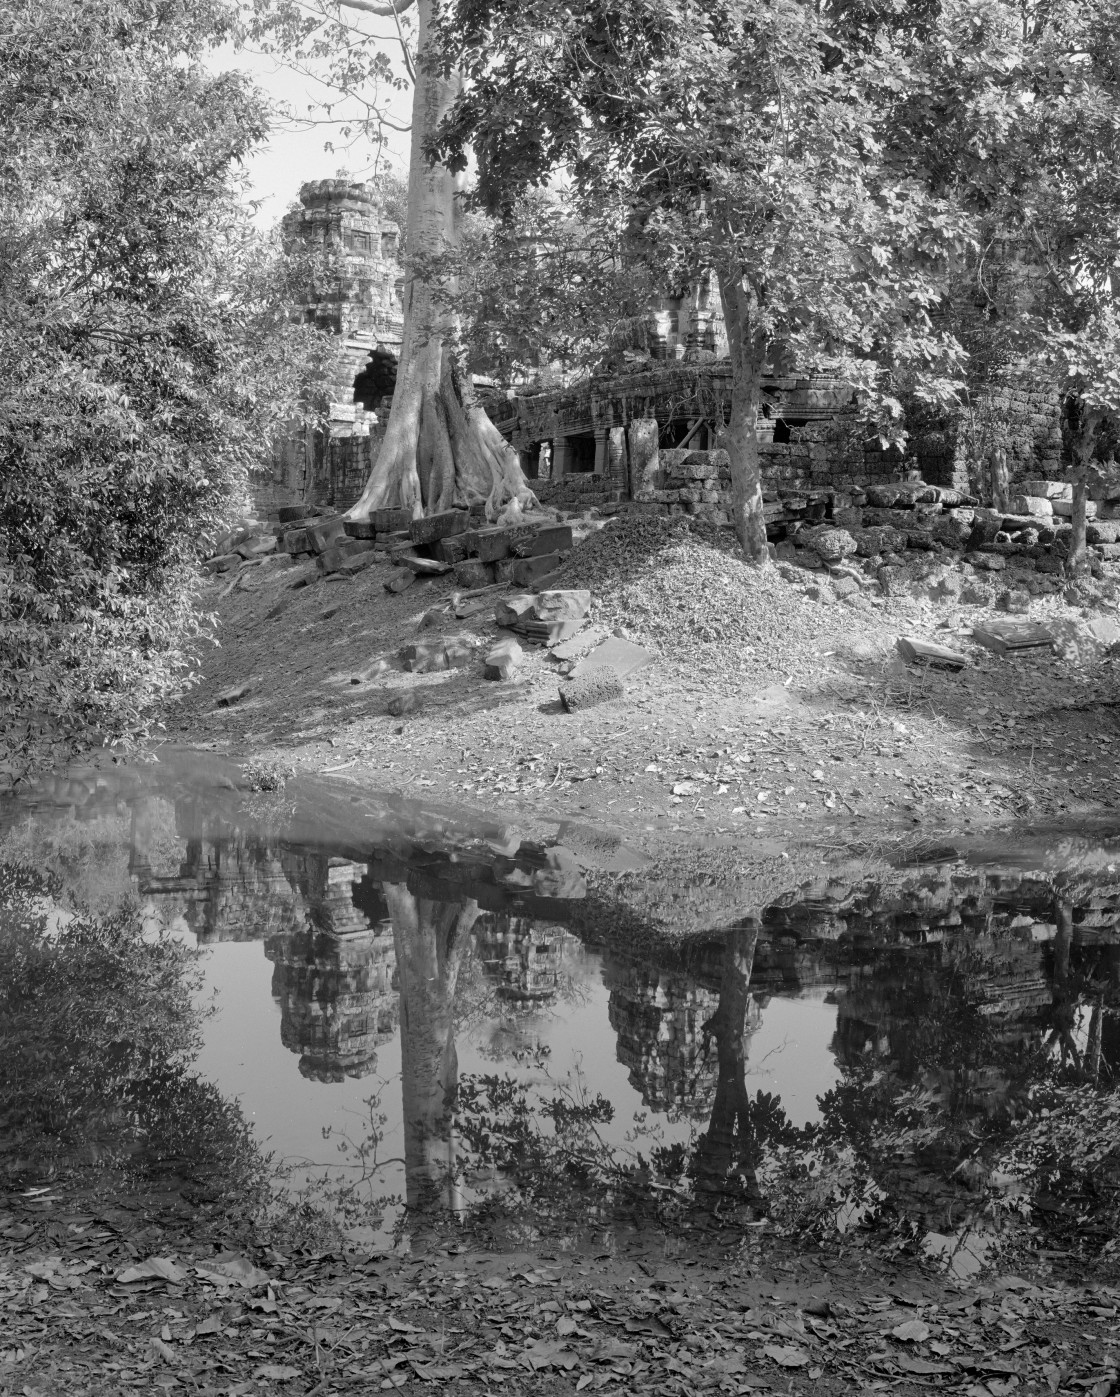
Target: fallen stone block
915, 651
451, 550
389, 521
292, 513
409, 702
1105, 531
1064, 508
988, 562
402, 578
578, 645
358, 563
503, 569
257, 547
503, 659
1047, 489
224, 562
594, 686
510, 610
1110, 552
424, 657
546, 632
552, 539
1005, 637
1039, 507
472, 572
425, 567
620, 656
568, 605
526, 571
460, 650
844, 587
331, 559
228, 697
295, 541
320, 537
435, 526
360, 528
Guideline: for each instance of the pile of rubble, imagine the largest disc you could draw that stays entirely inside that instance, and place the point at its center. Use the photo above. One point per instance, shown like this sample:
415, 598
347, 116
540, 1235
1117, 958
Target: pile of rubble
878, 526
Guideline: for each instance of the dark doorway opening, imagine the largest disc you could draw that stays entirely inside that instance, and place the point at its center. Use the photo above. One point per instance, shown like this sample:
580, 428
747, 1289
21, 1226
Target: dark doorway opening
376, 380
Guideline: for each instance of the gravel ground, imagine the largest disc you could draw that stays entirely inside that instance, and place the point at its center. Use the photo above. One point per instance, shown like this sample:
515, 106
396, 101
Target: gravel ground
766, 715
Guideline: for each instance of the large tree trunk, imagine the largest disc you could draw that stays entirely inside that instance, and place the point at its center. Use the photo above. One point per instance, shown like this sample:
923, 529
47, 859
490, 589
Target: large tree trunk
440, 448
430, 938
748, 345
727, 1152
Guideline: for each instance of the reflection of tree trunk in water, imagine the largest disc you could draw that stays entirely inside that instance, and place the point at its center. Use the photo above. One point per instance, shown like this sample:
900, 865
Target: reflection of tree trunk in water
1063, 1012
729, 1144
430, 938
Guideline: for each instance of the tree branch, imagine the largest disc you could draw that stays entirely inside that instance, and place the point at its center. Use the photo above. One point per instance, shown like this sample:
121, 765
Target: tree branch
393, 7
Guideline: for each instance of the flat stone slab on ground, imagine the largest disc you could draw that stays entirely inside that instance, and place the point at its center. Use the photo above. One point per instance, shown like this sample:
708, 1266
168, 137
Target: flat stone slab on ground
472, 572
360, 528
430, 567
1006, 636
388, 521
509, 610
526, 571
553, 538
620, 656
320, 537
917, 651
578, 645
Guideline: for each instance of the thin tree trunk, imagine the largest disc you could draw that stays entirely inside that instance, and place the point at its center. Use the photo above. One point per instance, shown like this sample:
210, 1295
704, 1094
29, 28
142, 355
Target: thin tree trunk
748, 345
440, 448
1077, 560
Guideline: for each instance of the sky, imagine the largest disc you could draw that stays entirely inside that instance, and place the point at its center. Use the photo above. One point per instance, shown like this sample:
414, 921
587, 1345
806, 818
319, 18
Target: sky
292, 156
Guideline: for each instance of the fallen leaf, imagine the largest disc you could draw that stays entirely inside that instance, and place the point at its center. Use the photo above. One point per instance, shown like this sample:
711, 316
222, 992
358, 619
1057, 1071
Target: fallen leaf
156, 1268
786, 1355
232, 1269
275, 1372
398, 1324
913, 1331
164, 1350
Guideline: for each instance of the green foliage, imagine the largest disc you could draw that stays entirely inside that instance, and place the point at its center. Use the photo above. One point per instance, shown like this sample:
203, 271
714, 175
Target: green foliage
98, 1028
145, 354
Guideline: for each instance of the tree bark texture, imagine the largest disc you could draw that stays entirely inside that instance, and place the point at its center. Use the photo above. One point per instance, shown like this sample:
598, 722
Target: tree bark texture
430, 938
748, 344
440, 448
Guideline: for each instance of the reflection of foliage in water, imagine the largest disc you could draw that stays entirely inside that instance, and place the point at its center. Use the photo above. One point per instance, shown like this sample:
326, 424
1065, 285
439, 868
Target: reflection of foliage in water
97, 1032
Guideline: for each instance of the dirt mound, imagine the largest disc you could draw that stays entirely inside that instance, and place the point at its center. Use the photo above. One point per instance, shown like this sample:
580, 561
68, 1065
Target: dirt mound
684, 590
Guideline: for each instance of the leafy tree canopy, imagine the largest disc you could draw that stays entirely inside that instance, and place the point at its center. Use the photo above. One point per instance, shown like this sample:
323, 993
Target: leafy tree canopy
145, 351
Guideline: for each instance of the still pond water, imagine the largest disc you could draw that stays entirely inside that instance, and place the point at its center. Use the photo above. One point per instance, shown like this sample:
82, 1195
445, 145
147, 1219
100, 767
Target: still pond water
420, 1011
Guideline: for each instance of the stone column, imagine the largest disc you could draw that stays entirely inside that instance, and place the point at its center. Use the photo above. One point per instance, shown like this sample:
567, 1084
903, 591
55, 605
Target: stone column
616, 460
559, 458
601, 451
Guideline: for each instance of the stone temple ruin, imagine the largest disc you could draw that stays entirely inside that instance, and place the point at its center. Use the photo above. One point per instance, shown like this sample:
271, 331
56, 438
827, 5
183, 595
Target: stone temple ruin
648, 435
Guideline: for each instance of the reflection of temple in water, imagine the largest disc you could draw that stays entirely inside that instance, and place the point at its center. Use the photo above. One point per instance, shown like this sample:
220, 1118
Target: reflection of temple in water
333, 979
520, 955
659, 1020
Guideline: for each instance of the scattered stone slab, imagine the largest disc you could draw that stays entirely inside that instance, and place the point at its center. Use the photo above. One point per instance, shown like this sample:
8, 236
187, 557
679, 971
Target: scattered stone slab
594, 686
402, 578
224, 562
436, 526
257, 547
547, 632
360, 528
1005, 637
1065, 508
1038, 506
409, 702
511, 609
569, 605
320, 537
844, 587
621, 657
526, 571
451, 550
388, 521
579, 645
430, 567
503, 659
228, 697
358, 563
342, 575
554, 538
1048, 489
292, 513
916, 651
472, 572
